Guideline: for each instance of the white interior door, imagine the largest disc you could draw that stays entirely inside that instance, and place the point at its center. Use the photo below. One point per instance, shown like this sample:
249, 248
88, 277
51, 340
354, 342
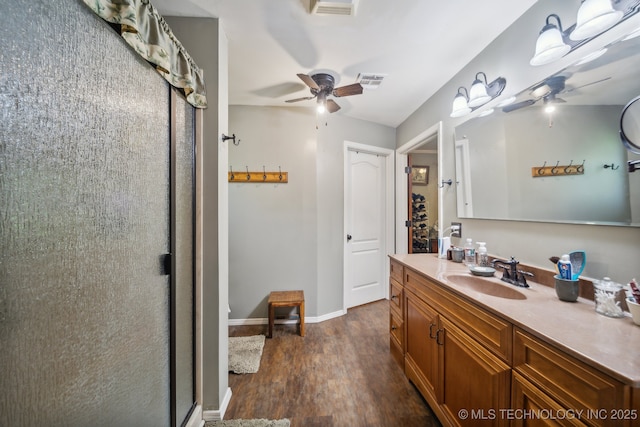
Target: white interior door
365, 217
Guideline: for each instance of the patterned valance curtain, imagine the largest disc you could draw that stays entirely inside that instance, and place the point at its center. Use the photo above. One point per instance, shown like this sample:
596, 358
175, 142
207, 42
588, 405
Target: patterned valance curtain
142, 27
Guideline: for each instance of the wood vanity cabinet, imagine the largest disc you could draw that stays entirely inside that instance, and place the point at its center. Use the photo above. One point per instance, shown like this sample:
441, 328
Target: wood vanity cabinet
467, 360
452, 369
396, 313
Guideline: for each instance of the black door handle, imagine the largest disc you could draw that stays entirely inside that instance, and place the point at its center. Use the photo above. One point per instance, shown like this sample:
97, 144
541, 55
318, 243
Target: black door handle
349, 237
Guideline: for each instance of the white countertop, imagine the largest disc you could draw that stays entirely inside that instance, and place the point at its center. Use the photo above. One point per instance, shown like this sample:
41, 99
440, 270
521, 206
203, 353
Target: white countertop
607, 344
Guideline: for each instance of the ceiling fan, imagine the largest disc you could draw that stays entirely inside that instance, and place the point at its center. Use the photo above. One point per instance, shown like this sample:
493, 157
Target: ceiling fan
321, 86
548, 91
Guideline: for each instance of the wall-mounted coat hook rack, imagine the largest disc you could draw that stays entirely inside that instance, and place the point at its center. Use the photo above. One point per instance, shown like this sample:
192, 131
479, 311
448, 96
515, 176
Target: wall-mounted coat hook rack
612, 166
545, 171
259, 177
232, 137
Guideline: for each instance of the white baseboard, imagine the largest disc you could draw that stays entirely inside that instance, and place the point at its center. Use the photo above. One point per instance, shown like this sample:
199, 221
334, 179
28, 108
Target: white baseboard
265, 321
217, 415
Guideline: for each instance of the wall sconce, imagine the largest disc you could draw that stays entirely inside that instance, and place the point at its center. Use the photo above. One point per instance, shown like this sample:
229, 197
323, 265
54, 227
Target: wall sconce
594, 17
460, 103
481, 93
478, 95
550, 45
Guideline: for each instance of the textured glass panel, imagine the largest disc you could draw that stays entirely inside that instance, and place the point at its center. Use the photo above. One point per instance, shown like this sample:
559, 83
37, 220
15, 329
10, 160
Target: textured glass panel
184, 127
83, 221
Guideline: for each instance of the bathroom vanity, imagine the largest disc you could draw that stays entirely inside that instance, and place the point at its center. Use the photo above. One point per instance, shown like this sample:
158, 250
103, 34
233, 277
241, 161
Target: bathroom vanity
485, 352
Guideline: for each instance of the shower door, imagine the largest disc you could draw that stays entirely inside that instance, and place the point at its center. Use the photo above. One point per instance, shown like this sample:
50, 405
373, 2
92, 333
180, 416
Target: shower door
85, 226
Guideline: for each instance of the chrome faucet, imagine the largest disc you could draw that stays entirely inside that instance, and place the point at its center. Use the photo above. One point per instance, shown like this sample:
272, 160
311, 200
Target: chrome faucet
510, 272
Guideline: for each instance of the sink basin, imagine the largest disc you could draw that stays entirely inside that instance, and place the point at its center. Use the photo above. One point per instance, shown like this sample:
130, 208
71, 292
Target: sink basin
486, 287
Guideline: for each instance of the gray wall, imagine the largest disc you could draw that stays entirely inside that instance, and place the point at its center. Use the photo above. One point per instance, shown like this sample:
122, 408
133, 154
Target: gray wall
611, 251
290, 236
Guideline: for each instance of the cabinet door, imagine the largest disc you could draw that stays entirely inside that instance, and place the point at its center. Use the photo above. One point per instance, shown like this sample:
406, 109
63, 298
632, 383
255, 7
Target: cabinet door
421, 364
474, 384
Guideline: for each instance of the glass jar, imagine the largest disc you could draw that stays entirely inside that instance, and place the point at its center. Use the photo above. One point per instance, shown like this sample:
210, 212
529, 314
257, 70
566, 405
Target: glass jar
608, 295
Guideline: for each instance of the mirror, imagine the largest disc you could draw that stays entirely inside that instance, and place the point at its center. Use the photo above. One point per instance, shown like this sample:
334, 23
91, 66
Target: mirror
567, 165
630, 126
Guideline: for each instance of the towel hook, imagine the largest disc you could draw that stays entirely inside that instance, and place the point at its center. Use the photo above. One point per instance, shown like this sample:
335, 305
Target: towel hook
448, 182
248, 174
541, 170
232, 137
264, 174
554, 170
280, 171
566, 169
232, 175
612, 166
580, 169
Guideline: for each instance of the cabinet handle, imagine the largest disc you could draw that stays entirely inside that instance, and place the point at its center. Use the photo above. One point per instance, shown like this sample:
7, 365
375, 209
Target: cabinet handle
394, 296
394, 327
438, 336
431, 331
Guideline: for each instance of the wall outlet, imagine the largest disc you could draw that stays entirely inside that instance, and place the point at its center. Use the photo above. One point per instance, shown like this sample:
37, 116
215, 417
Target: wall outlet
456, 229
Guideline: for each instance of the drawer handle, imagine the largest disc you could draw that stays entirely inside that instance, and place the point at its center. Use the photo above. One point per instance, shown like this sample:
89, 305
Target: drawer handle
431, 331
438, 337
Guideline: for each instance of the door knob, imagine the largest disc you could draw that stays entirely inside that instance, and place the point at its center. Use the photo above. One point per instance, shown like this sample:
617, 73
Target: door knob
349, 237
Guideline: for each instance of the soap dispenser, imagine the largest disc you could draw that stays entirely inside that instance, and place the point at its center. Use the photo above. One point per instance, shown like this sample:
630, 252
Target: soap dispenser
482, 259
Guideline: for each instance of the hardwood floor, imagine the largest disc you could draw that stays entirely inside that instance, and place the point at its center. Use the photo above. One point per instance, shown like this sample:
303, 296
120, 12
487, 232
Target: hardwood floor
340, 374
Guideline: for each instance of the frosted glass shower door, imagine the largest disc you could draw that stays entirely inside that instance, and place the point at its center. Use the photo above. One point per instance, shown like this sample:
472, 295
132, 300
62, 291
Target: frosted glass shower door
84, 224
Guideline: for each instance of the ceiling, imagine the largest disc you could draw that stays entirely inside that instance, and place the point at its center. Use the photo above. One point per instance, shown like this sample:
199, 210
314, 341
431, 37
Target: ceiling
418, 44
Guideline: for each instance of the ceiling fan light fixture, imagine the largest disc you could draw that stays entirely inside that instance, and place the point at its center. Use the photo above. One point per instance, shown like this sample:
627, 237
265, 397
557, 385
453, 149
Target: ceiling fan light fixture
322, 103
460, 104
594, 17
478, 95
550, 45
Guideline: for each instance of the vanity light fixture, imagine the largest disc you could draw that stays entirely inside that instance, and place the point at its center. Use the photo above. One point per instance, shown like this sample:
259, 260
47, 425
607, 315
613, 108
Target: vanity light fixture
478, 95
595, 17
481, 93
460, 103
550, 45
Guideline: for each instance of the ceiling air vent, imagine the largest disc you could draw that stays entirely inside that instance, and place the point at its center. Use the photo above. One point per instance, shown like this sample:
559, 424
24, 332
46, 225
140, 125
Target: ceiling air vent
334, 7
370, 80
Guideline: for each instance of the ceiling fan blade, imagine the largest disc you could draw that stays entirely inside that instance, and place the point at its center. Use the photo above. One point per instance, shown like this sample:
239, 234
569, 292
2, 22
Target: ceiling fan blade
585, 85
352, 89
518, 105
306, 98
332, 107
308, 81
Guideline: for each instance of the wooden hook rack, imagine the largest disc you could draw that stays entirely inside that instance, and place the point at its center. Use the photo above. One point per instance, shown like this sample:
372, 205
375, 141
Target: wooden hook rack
545, 171
259, 177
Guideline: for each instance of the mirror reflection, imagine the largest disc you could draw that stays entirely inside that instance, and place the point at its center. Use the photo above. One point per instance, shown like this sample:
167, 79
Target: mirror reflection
555, 154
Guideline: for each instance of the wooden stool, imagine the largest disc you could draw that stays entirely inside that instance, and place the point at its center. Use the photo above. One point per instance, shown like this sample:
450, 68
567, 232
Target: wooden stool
286, 299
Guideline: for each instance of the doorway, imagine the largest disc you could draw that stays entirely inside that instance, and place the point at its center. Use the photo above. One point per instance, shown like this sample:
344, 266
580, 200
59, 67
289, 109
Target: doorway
368, 216
423, 150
